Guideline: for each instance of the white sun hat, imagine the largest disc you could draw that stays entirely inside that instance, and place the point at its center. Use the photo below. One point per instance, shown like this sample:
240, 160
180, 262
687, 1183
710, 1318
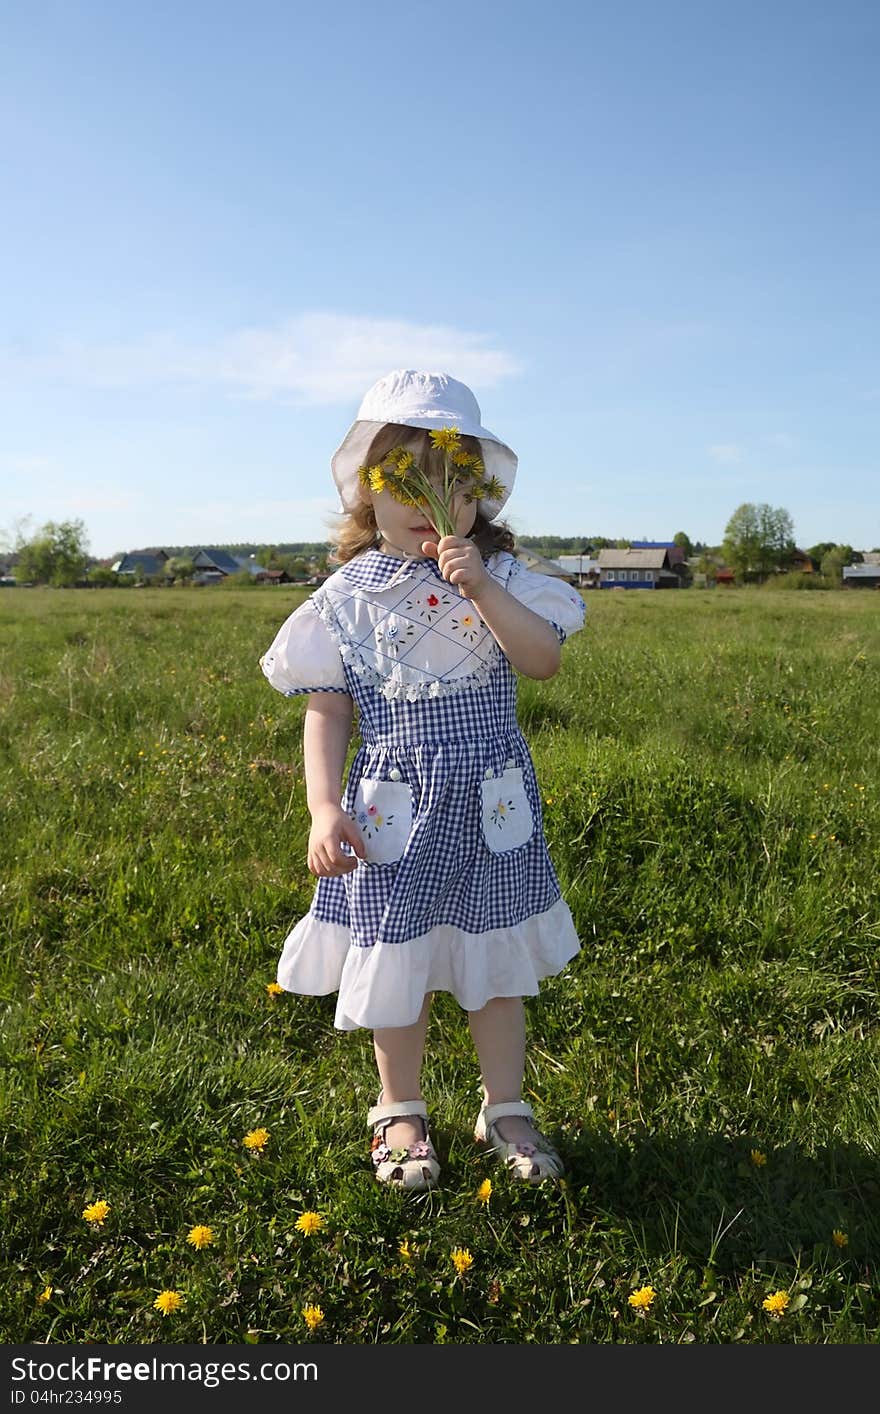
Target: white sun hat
416, 399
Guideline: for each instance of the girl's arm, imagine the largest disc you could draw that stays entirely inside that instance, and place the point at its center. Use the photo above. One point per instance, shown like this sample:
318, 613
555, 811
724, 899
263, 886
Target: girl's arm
326, 734
528, 642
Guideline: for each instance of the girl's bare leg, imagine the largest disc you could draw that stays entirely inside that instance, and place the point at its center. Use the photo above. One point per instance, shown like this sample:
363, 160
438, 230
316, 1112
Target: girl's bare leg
399, 1051
499, 1035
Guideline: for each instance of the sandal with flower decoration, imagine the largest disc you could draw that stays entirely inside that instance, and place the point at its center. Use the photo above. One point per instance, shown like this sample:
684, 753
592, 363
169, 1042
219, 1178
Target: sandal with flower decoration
413, 1166
530, 1162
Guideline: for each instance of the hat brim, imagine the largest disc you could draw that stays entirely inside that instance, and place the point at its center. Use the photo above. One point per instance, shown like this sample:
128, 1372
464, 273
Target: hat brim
352, 451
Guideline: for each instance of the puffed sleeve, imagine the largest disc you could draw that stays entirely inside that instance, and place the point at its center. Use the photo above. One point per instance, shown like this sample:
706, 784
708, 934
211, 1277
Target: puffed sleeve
554, 599
303, 656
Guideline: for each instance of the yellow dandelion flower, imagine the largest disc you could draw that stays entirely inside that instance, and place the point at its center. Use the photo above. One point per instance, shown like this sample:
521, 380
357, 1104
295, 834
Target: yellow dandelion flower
96, 1212
313, 1317
200, 1236
45, 1295
839, 1238
484, 1192
364, 475
446, 438
274, 989
757, 1158
168, 1301
463, 458
377, 478
403, 459
256, 1139
309, 1223
777, 1303
493, 490
404, 1250
461, 1259
642, 1299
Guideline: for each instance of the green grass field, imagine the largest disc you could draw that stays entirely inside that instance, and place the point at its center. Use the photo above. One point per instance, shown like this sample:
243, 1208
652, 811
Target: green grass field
710, 765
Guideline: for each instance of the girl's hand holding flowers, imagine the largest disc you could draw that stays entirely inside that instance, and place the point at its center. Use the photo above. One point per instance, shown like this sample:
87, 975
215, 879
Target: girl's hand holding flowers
459, 480
460, 563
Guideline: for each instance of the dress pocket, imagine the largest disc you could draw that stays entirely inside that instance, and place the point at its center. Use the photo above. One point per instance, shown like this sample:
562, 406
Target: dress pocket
383, 810
507, 816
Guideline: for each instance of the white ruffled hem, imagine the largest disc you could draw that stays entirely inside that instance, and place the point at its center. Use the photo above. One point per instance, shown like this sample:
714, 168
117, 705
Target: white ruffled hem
385, 985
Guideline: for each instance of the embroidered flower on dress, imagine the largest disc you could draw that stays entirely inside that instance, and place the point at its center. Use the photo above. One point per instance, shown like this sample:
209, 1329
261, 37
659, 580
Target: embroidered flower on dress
394, 636
420, 1150
381, 1152
429, 608
370, 821
468, 625
498, 815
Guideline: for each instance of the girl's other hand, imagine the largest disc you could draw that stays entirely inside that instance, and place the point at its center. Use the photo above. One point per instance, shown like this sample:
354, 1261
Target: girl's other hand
460, 562
331, 827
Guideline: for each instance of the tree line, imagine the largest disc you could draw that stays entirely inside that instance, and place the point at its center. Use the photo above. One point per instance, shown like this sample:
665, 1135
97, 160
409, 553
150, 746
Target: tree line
758, 541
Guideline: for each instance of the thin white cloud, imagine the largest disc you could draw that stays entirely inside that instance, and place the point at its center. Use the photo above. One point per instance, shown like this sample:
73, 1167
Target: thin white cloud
727, 453
315, 358
23, 464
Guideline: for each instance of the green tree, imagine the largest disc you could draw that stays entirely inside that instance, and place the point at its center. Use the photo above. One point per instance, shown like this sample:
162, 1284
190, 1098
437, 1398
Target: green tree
102, 576
817, 552
57, 554
758, 539
834, 560
179, 567
682, 540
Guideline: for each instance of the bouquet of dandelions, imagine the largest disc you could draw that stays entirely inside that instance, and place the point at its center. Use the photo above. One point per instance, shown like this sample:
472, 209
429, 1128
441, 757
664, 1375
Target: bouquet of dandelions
463, 475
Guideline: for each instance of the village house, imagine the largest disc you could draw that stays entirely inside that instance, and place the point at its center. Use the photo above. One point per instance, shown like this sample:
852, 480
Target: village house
866, 576
637, 569
582, 570
541, 565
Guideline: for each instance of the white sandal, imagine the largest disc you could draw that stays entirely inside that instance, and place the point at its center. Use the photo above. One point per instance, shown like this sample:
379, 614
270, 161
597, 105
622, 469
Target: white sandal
413, 1166
530, 1162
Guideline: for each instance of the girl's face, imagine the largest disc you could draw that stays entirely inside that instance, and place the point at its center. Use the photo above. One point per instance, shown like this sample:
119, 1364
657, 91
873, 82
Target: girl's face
404, 528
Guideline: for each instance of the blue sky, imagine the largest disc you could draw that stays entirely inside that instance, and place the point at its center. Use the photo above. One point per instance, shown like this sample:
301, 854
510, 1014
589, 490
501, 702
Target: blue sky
645, 234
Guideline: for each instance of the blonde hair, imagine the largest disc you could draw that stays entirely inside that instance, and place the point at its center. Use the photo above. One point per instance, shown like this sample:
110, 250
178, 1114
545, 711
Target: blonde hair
352, 532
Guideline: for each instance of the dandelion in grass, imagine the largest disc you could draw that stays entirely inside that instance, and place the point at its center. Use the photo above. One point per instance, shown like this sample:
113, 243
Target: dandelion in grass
776, 1303
168, 1302
45, 1295
313, 1316
274, 989
256, 1140
461, 1259
200, 1236
95, 1213
643, 1299
484, 1192
839, 1238
758, 1159
404, 1250
309, 1223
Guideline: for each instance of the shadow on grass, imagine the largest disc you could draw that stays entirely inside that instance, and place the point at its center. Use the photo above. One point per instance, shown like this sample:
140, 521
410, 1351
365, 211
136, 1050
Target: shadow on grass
706, 1197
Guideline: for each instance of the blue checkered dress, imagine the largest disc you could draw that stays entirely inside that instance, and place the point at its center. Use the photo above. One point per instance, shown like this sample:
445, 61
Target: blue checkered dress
449, 905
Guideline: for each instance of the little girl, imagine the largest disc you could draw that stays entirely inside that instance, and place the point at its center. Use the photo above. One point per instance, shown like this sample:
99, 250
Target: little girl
433, 871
